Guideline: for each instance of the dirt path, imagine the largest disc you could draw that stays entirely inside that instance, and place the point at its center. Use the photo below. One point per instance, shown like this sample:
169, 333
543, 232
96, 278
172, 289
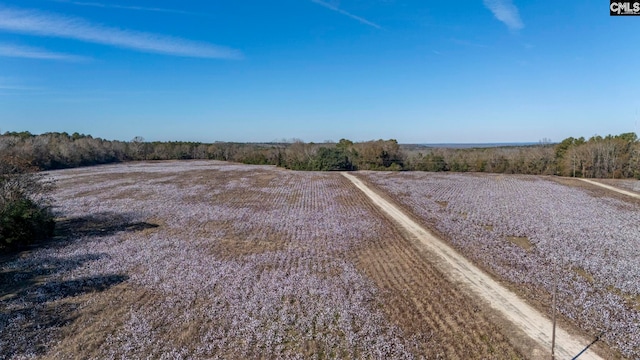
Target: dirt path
612, 188
516, 310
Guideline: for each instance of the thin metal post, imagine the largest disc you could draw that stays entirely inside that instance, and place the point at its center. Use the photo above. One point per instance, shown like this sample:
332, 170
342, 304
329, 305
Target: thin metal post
553, 307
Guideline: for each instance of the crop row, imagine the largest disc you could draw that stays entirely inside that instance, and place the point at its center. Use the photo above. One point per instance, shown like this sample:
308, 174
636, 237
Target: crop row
183, 260
629, 184
531, 231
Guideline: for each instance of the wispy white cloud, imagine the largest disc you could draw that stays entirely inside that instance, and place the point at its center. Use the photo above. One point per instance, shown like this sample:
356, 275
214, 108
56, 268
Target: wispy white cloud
358, 18
11, 86
13, 83
126, 7
19, 51
34, 22
15, 87
505, 11
79, 100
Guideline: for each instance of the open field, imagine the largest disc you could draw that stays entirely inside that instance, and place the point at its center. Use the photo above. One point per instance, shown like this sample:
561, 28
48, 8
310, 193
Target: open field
467, 275
526, 230
624, 186
628, 184
213, 260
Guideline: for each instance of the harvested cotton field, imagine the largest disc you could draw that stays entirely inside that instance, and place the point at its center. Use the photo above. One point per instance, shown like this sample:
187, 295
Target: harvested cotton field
205, 259
529, 231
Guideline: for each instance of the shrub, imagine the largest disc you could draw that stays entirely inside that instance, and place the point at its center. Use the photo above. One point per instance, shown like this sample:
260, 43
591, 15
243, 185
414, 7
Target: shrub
25, 214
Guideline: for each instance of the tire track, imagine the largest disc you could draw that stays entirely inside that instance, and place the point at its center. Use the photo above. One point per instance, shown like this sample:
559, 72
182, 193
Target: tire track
514, 309
429, 307
438, 319
612, 188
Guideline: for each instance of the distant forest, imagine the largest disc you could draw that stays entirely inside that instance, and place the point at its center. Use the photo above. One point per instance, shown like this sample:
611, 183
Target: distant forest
613, 156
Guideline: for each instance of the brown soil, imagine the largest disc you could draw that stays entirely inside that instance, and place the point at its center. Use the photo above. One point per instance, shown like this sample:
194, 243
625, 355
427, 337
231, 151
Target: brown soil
441, 319
484, 288
521, 241
596, 189
434, 312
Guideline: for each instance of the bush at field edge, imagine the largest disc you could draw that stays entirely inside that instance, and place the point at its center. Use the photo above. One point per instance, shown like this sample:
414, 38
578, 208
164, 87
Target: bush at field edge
25, 212
22, 222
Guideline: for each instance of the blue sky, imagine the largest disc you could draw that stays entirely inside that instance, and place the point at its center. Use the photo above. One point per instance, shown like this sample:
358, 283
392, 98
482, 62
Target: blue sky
417, 71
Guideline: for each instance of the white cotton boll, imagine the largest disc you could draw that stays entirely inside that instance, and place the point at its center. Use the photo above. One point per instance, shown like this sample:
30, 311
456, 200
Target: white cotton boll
586, 235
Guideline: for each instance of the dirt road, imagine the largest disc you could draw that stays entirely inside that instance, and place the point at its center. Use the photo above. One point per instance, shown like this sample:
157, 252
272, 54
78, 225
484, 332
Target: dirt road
612, 188
516, 310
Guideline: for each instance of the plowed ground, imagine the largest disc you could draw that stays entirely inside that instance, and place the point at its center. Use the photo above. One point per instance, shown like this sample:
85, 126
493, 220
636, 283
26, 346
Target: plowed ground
235, 262
438, 316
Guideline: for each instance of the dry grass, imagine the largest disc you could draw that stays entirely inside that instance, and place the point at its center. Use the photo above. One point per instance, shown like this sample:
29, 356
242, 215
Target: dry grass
440, 319
208, 260
623, 201
521, 241
518, 227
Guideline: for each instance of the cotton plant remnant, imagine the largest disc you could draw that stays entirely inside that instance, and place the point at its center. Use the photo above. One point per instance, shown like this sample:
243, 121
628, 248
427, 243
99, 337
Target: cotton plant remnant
527, 229
198, 259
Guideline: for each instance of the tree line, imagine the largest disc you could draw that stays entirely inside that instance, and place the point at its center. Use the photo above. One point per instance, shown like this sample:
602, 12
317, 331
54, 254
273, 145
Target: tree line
612, 156
25, 213
61, 150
